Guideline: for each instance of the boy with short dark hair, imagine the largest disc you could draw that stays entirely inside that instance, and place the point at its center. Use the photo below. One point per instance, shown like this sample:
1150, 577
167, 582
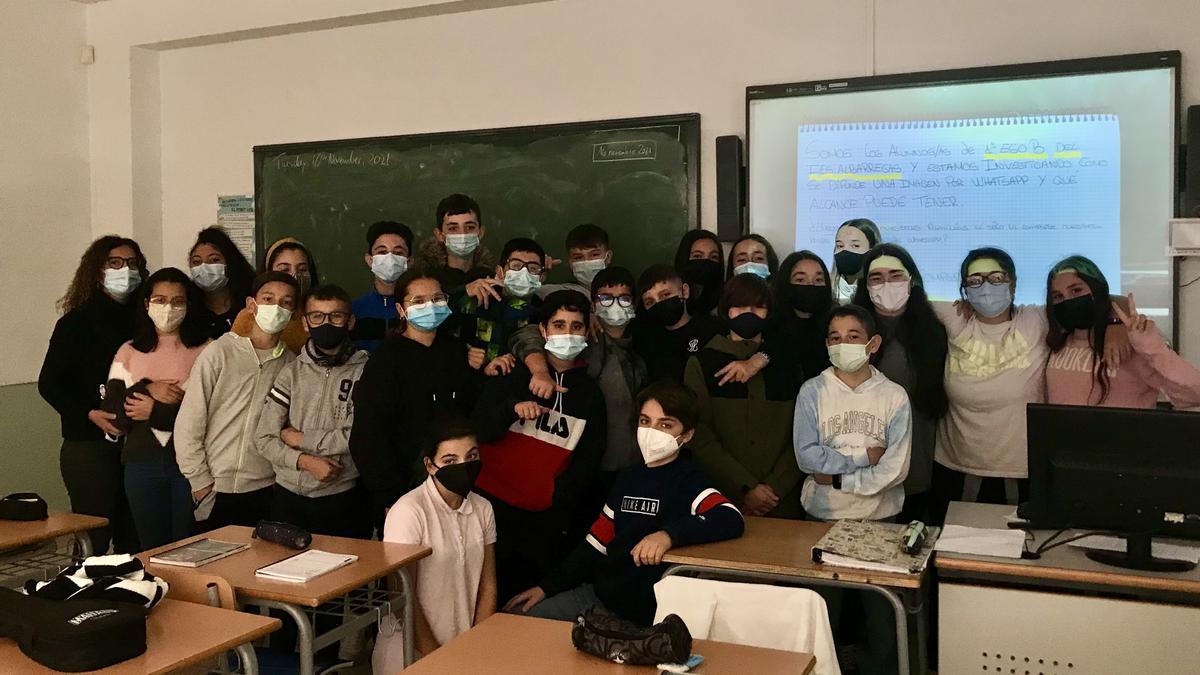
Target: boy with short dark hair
389, 245
487, 326
664, 503
852, 433
455, 254
665, 335
215, 428
588, 253
540, 455
305, 426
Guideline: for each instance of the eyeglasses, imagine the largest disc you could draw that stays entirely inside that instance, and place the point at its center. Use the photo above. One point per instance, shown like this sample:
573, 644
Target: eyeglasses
605, 300
422, 299
518, 265
117, 262
335, 318
997, 278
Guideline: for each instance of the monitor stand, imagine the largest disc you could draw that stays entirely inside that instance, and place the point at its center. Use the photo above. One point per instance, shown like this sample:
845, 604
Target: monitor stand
1137, 556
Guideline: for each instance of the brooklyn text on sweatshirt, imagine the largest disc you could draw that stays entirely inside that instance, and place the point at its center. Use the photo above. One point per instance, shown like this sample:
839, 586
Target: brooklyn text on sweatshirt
544, 462
217, 421
1151, 369
317, 401
834, 427
676, 498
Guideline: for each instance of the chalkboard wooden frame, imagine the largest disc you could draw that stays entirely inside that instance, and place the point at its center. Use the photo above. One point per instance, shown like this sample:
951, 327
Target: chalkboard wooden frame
689, 124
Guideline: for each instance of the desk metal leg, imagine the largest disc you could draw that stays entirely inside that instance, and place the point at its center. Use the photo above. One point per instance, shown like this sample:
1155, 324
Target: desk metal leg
249, 661
304, 631
915, 603
406, 586
898, 608
83, 544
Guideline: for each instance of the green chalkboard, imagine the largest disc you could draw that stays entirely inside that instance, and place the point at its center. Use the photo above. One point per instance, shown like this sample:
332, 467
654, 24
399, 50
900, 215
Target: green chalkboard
637, 178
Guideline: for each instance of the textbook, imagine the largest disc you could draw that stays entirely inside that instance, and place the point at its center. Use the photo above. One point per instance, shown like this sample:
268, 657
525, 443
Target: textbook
870, 545
198, 553
304, 567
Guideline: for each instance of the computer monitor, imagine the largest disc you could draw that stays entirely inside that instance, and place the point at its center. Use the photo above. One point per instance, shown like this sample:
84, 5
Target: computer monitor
1128, 471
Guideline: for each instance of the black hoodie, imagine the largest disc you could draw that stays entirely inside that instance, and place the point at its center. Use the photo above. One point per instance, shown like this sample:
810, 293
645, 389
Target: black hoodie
404, 388
81, 351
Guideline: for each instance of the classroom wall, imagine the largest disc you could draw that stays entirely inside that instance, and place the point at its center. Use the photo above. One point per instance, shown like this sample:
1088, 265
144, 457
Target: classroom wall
44, 219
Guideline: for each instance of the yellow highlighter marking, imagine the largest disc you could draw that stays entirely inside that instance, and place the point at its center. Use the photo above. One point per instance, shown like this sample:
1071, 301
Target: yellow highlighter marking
854, 176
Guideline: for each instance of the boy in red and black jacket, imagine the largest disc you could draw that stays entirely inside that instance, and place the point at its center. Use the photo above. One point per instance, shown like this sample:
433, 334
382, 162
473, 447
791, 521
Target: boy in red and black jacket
666, 503
540, 455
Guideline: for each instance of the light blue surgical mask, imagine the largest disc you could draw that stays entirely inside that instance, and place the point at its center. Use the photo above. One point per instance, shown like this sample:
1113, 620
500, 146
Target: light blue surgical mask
521, 283
614, 314
387, 267
210, 276
119, 284
753, 268
462, 245
990, 300
565, 347
427, 316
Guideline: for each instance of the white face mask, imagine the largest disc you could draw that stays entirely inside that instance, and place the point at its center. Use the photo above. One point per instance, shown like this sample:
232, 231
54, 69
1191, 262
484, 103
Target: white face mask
614, 315
758, 269
655, 444
890, 296
586, 270
521, 283
387, 267
848, 357
565, 347
166, 318
462, 245
272, 318
210, 276
118, 284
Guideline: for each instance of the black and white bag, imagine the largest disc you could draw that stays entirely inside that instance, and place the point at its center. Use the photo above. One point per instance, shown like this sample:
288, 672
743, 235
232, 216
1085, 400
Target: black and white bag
116, 578
73, 635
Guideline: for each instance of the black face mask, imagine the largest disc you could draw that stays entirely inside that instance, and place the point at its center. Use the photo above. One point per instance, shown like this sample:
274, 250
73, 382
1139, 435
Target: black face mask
747, 325
848, 263
810, 299
459, 478
328, 336
1076, 313
667, 312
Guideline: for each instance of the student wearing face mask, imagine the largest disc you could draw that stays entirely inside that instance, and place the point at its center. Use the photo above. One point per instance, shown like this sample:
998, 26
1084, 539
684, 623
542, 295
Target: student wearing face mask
664, 503
1079, 311
588, 254
456, 584
415, 375
388, 246
852, 434
488, 329
541, 455
805, 295
665, 334
99, 313
220, 270
292, 258
701, 262
305, 425
913, 355
455, 254
752, 254
744, 438
148, 375
851, 243
217, 422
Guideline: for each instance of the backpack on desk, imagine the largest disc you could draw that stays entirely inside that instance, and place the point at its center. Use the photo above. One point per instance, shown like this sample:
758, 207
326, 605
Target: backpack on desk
73, 635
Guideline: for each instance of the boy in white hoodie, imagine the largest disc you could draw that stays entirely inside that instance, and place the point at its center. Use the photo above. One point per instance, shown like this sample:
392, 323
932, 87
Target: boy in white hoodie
852, 434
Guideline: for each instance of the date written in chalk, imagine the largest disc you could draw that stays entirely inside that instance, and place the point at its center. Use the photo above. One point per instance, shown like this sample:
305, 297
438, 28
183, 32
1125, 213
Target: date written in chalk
624, 151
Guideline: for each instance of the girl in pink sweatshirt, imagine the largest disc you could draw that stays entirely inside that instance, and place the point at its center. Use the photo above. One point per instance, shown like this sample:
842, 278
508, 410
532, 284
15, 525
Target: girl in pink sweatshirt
1079, 310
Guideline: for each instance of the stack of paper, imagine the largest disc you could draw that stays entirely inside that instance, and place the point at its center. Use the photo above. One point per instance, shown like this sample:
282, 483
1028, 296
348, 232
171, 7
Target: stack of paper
1005, 543
305, 567
1158, 549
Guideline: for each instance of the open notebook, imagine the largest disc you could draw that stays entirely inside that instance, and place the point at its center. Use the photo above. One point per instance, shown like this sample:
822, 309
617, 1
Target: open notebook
304, 567
869, 545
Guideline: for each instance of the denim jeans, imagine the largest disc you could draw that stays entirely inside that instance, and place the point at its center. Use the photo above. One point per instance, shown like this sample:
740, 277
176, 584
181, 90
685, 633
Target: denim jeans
161, 500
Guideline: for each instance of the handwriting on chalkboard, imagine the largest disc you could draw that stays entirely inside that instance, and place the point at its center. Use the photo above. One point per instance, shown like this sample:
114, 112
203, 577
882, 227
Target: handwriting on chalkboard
624, 151
326, 159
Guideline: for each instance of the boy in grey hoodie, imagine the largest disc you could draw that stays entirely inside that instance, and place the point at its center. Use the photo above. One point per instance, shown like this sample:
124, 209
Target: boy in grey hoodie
214, 431
304, 430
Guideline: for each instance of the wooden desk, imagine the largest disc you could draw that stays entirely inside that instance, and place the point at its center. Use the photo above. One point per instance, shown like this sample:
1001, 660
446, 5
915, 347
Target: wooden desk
18, 533
178, 634
775, 550
376, 560
1005, 610
507, 644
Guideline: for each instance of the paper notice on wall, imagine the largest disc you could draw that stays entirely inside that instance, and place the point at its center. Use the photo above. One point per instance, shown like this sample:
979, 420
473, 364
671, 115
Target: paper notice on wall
235, 215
